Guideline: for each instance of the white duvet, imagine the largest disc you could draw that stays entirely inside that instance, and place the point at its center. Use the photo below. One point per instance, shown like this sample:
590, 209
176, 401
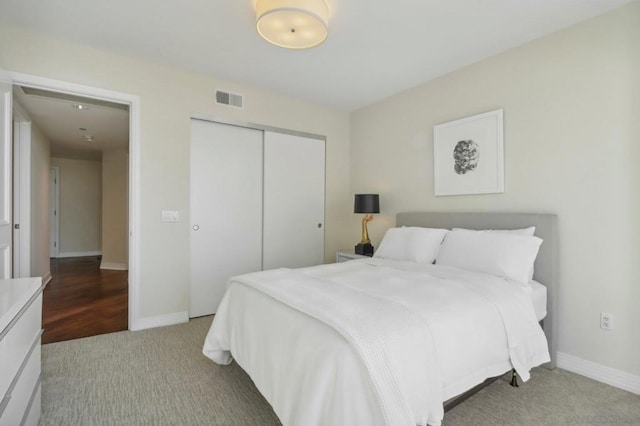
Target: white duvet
373, 341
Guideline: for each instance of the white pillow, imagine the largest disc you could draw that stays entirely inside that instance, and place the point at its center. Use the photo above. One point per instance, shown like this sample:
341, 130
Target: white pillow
411, 243
530, 231
505, 255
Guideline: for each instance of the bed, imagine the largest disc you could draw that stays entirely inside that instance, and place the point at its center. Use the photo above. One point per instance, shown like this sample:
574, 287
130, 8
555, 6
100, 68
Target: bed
386, 342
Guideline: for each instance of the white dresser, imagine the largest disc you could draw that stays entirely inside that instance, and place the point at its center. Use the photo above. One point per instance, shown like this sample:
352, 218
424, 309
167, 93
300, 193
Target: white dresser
20, 331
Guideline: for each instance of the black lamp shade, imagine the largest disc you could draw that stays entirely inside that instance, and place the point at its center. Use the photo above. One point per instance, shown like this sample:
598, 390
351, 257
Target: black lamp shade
366, 203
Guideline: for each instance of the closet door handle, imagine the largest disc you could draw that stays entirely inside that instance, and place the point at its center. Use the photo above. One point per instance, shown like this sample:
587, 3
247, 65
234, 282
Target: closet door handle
319, 225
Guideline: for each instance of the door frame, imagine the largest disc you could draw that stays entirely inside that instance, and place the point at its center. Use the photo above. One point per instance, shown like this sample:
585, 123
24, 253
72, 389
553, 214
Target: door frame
21, 192
133, 101
6, 175
54, 213
256, 126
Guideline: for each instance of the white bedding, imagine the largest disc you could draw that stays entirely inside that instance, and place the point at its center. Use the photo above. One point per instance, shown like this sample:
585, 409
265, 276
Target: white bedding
306, 354
538, 297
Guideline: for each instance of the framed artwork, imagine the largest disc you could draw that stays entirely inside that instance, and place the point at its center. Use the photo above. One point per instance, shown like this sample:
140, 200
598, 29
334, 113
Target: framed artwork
468, 155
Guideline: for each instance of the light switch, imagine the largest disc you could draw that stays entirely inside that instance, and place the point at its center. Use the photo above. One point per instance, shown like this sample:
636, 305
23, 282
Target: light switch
170, 216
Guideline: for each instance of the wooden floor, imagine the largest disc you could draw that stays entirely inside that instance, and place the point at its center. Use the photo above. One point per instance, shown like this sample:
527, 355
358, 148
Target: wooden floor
83, 300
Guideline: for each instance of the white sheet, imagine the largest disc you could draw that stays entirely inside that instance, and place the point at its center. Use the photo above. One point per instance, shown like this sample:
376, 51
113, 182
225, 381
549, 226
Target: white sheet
538, 297
311, 375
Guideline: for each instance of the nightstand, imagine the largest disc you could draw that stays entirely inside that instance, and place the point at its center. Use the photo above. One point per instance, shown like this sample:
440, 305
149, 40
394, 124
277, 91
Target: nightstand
344, 255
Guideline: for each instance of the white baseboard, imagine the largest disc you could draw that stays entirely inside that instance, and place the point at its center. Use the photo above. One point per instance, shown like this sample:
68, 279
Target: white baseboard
611, 376
114, 266
80, 254
160, 321
48, 277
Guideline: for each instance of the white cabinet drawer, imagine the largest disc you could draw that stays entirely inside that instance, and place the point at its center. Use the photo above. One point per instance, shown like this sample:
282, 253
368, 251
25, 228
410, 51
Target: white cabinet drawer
16, 343
33, 417
21, 395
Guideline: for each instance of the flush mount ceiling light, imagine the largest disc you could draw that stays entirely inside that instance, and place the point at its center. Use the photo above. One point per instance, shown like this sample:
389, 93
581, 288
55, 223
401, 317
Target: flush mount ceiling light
80, 106
89, 138
293, 24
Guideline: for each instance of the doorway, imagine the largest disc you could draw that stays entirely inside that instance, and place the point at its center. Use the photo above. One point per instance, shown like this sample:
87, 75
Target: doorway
54, 200
85, 258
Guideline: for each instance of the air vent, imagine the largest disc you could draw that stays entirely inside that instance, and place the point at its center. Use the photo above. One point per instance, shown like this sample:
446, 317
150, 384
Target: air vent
228, 99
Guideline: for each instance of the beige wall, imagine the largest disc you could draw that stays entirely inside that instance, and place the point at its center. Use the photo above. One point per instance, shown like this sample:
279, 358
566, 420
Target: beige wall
40, 153
169, 97
572, 118
80, 207
115, 181
571, 108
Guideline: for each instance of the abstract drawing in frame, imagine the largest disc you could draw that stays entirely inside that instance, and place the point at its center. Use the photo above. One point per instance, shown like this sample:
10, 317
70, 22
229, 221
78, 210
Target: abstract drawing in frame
468, 155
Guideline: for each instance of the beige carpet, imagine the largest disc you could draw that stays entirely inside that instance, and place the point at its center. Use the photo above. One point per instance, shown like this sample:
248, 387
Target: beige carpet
160, 377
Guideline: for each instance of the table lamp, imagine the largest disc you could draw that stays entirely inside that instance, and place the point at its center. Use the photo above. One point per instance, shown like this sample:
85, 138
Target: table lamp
367, 204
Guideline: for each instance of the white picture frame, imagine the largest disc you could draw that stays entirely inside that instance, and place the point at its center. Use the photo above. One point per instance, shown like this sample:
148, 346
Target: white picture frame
468, 155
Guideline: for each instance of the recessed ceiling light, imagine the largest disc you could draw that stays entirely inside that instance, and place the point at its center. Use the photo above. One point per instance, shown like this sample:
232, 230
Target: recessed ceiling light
80, 106
88, 138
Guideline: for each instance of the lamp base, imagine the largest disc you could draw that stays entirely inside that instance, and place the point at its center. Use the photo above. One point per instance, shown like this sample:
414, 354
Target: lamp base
364, 249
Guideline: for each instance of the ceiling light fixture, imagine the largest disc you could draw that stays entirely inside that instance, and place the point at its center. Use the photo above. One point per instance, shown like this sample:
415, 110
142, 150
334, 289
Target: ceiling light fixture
88, 138
80, 106
293, 24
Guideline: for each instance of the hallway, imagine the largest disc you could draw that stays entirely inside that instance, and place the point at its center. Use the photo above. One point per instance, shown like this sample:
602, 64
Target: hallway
83, 300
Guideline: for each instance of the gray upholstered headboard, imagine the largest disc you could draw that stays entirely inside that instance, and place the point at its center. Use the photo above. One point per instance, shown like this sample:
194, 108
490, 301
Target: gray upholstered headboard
546, 265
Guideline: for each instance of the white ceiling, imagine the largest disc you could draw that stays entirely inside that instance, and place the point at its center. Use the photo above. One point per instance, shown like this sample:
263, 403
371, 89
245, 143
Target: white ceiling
375, 48
61, 123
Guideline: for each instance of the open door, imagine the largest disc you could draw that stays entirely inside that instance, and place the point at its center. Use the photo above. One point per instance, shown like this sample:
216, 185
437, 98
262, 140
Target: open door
5, 175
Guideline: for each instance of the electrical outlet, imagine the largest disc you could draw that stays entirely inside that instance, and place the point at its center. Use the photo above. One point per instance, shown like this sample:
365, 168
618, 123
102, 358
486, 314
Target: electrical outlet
606, 321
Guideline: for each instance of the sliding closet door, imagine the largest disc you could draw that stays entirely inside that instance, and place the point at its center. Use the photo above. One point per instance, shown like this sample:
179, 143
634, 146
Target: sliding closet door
293, 201
226, 209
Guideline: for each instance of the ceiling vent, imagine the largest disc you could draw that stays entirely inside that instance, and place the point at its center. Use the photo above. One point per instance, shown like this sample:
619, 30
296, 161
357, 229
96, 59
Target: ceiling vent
228, 99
